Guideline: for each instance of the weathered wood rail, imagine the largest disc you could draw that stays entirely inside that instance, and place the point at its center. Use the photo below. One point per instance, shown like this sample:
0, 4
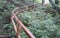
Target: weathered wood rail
19, 22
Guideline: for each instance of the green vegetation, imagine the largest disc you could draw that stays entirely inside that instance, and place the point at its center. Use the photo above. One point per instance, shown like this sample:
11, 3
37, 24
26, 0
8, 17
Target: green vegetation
43, 21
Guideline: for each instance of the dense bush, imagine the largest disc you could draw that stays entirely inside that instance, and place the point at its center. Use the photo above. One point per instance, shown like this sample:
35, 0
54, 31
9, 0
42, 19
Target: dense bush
41, 24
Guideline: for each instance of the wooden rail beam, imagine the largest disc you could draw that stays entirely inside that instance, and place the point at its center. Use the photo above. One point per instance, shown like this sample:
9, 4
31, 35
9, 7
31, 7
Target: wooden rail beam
30, 35
16, 28
20, 24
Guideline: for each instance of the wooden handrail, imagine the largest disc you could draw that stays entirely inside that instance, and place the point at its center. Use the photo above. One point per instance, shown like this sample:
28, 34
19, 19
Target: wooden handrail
20, 24
14, 25
24, 8
17, 29
30, 35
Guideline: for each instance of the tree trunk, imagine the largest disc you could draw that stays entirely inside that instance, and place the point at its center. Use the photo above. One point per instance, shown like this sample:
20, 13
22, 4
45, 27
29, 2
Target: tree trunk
43, 2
